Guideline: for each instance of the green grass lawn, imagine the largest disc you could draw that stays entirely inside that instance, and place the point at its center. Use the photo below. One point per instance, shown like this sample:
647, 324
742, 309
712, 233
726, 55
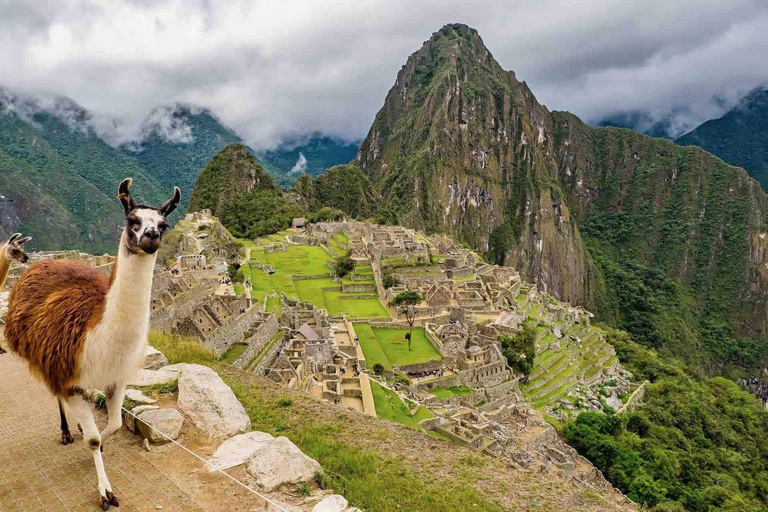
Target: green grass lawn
388, 346
304, 260
389, 406
235, 351
452, 391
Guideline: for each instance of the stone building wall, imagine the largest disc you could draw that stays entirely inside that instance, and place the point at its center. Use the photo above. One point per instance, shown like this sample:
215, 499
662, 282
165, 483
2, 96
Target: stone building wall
264, 333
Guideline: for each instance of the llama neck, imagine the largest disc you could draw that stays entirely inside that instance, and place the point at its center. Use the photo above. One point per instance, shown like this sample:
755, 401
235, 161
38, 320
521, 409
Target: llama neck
5, 266
129, 295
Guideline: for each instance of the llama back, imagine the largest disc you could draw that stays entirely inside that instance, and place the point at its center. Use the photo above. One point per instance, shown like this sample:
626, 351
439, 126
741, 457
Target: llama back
51, 310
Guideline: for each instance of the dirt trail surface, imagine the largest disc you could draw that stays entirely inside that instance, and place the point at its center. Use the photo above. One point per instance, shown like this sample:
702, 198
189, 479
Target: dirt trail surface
38, 473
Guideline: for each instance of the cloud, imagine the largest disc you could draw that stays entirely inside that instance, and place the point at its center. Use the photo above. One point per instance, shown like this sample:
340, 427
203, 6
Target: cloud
268, 69
300, 165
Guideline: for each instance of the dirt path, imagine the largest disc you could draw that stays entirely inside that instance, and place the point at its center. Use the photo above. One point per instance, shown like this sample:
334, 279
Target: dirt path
38, 473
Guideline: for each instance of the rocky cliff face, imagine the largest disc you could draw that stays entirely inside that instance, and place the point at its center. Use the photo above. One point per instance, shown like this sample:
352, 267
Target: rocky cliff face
598, 217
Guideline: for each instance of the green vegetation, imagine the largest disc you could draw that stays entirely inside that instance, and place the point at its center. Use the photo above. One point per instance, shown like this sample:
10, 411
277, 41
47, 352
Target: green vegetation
235, 351
520, 349
405, 302
699, 442
323, 292
452, 391
181, 349
342, 187
390, 407
389, 347
320, 152
739, 136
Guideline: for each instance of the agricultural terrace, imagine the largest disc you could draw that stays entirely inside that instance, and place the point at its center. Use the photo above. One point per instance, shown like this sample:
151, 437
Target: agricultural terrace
389, 346
389, 406
306, 260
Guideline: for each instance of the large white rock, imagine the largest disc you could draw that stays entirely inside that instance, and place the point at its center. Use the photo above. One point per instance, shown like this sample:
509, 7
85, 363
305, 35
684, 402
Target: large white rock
167, 421
138, 396
210, 403
152, 377
278, 462
129, 419
237, 450
154, 359
332, 503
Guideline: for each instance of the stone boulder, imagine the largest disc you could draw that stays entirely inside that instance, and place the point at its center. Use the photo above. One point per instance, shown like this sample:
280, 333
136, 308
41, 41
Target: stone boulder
210, 403
153, 377
614, 403
167, 421
279, 462
332, 503
154, 359
138, 397
129, 420
237, 450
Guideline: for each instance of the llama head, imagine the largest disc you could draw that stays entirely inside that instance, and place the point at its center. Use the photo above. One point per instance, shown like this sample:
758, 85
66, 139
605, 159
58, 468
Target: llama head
13, 250
145, 225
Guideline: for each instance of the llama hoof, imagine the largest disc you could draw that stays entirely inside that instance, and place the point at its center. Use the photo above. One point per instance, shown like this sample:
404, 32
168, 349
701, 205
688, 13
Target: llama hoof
112, 499
79, 428
66, 438
104, 503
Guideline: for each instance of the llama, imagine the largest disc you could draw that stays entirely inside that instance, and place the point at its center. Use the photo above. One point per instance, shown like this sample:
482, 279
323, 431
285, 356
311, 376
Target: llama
79, 329
11, 251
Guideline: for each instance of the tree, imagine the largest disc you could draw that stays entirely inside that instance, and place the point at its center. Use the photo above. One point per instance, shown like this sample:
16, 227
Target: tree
404, 301
523, 343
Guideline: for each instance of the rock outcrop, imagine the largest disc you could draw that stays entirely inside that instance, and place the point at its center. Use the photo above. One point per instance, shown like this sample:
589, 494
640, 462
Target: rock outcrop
237, 450
210, 404
278, 462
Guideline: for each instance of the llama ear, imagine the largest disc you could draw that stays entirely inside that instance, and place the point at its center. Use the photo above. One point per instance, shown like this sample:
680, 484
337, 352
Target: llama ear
170, 204
124, 195
14, 237
24, 240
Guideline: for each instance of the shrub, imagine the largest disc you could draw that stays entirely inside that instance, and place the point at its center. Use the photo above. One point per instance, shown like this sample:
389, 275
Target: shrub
378, 369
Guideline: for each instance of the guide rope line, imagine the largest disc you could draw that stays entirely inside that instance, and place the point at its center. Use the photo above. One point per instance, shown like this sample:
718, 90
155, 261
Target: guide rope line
241, 484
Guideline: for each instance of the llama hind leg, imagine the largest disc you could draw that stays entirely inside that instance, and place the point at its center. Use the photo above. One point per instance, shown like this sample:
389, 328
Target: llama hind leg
82, 411
115, 395
66, 437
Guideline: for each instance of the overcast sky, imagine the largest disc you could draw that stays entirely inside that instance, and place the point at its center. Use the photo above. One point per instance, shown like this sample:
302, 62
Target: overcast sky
277, 67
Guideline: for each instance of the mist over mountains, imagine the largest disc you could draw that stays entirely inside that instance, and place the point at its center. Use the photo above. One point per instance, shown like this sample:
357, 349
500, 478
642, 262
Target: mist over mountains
60, 164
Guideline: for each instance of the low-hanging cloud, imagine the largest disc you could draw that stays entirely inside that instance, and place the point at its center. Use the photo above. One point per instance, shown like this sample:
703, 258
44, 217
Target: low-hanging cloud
274, 68
300, 165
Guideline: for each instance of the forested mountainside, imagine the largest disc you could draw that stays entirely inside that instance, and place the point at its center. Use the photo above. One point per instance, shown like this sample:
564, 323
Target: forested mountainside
311, 154
665, 241
58, 180
740, 137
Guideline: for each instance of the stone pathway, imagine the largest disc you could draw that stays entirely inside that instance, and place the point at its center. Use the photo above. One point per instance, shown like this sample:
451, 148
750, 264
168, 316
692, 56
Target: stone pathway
38, 473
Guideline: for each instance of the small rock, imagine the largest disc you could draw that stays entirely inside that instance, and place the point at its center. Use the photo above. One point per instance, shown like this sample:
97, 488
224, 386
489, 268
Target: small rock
146, 445
237, 450
210, 403
332, 503
130, 419
614, 403
167, 421
138, 396
154, 359
152, 377
278, 462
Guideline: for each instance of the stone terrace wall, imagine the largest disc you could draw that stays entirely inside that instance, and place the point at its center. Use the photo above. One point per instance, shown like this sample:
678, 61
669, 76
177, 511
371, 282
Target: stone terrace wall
264, 333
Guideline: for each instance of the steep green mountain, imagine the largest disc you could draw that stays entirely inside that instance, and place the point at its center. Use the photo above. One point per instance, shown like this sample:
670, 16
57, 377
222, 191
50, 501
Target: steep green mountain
58, 180
343, 186
665, 241
178, 140
237, 189
740, 137
311, 154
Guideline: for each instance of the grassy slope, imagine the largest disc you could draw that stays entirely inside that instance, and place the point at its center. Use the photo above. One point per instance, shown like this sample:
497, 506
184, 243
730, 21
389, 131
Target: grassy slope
388, 346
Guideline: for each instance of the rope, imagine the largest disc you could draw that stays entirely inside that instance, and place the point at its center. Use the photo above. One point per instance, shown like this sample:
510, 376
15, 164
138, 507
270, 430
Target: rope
241, 484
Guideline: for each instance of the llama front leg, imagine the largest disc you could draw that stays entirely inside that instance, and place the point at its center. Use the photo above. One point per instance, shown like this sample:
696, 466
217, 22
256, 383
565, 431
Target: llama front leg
66, 437
115, 394
82, 412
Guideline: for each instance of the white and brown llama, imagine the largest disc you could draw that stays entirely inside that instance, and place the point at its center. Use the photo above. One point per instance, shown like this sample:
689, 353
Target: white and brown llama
11, 251
79, 329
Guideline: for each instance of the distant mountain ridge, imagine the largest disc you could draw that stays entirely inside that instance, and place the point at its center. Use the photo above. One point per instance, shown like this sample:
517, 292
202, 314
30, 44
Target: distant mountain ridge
740, 137
310, 154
